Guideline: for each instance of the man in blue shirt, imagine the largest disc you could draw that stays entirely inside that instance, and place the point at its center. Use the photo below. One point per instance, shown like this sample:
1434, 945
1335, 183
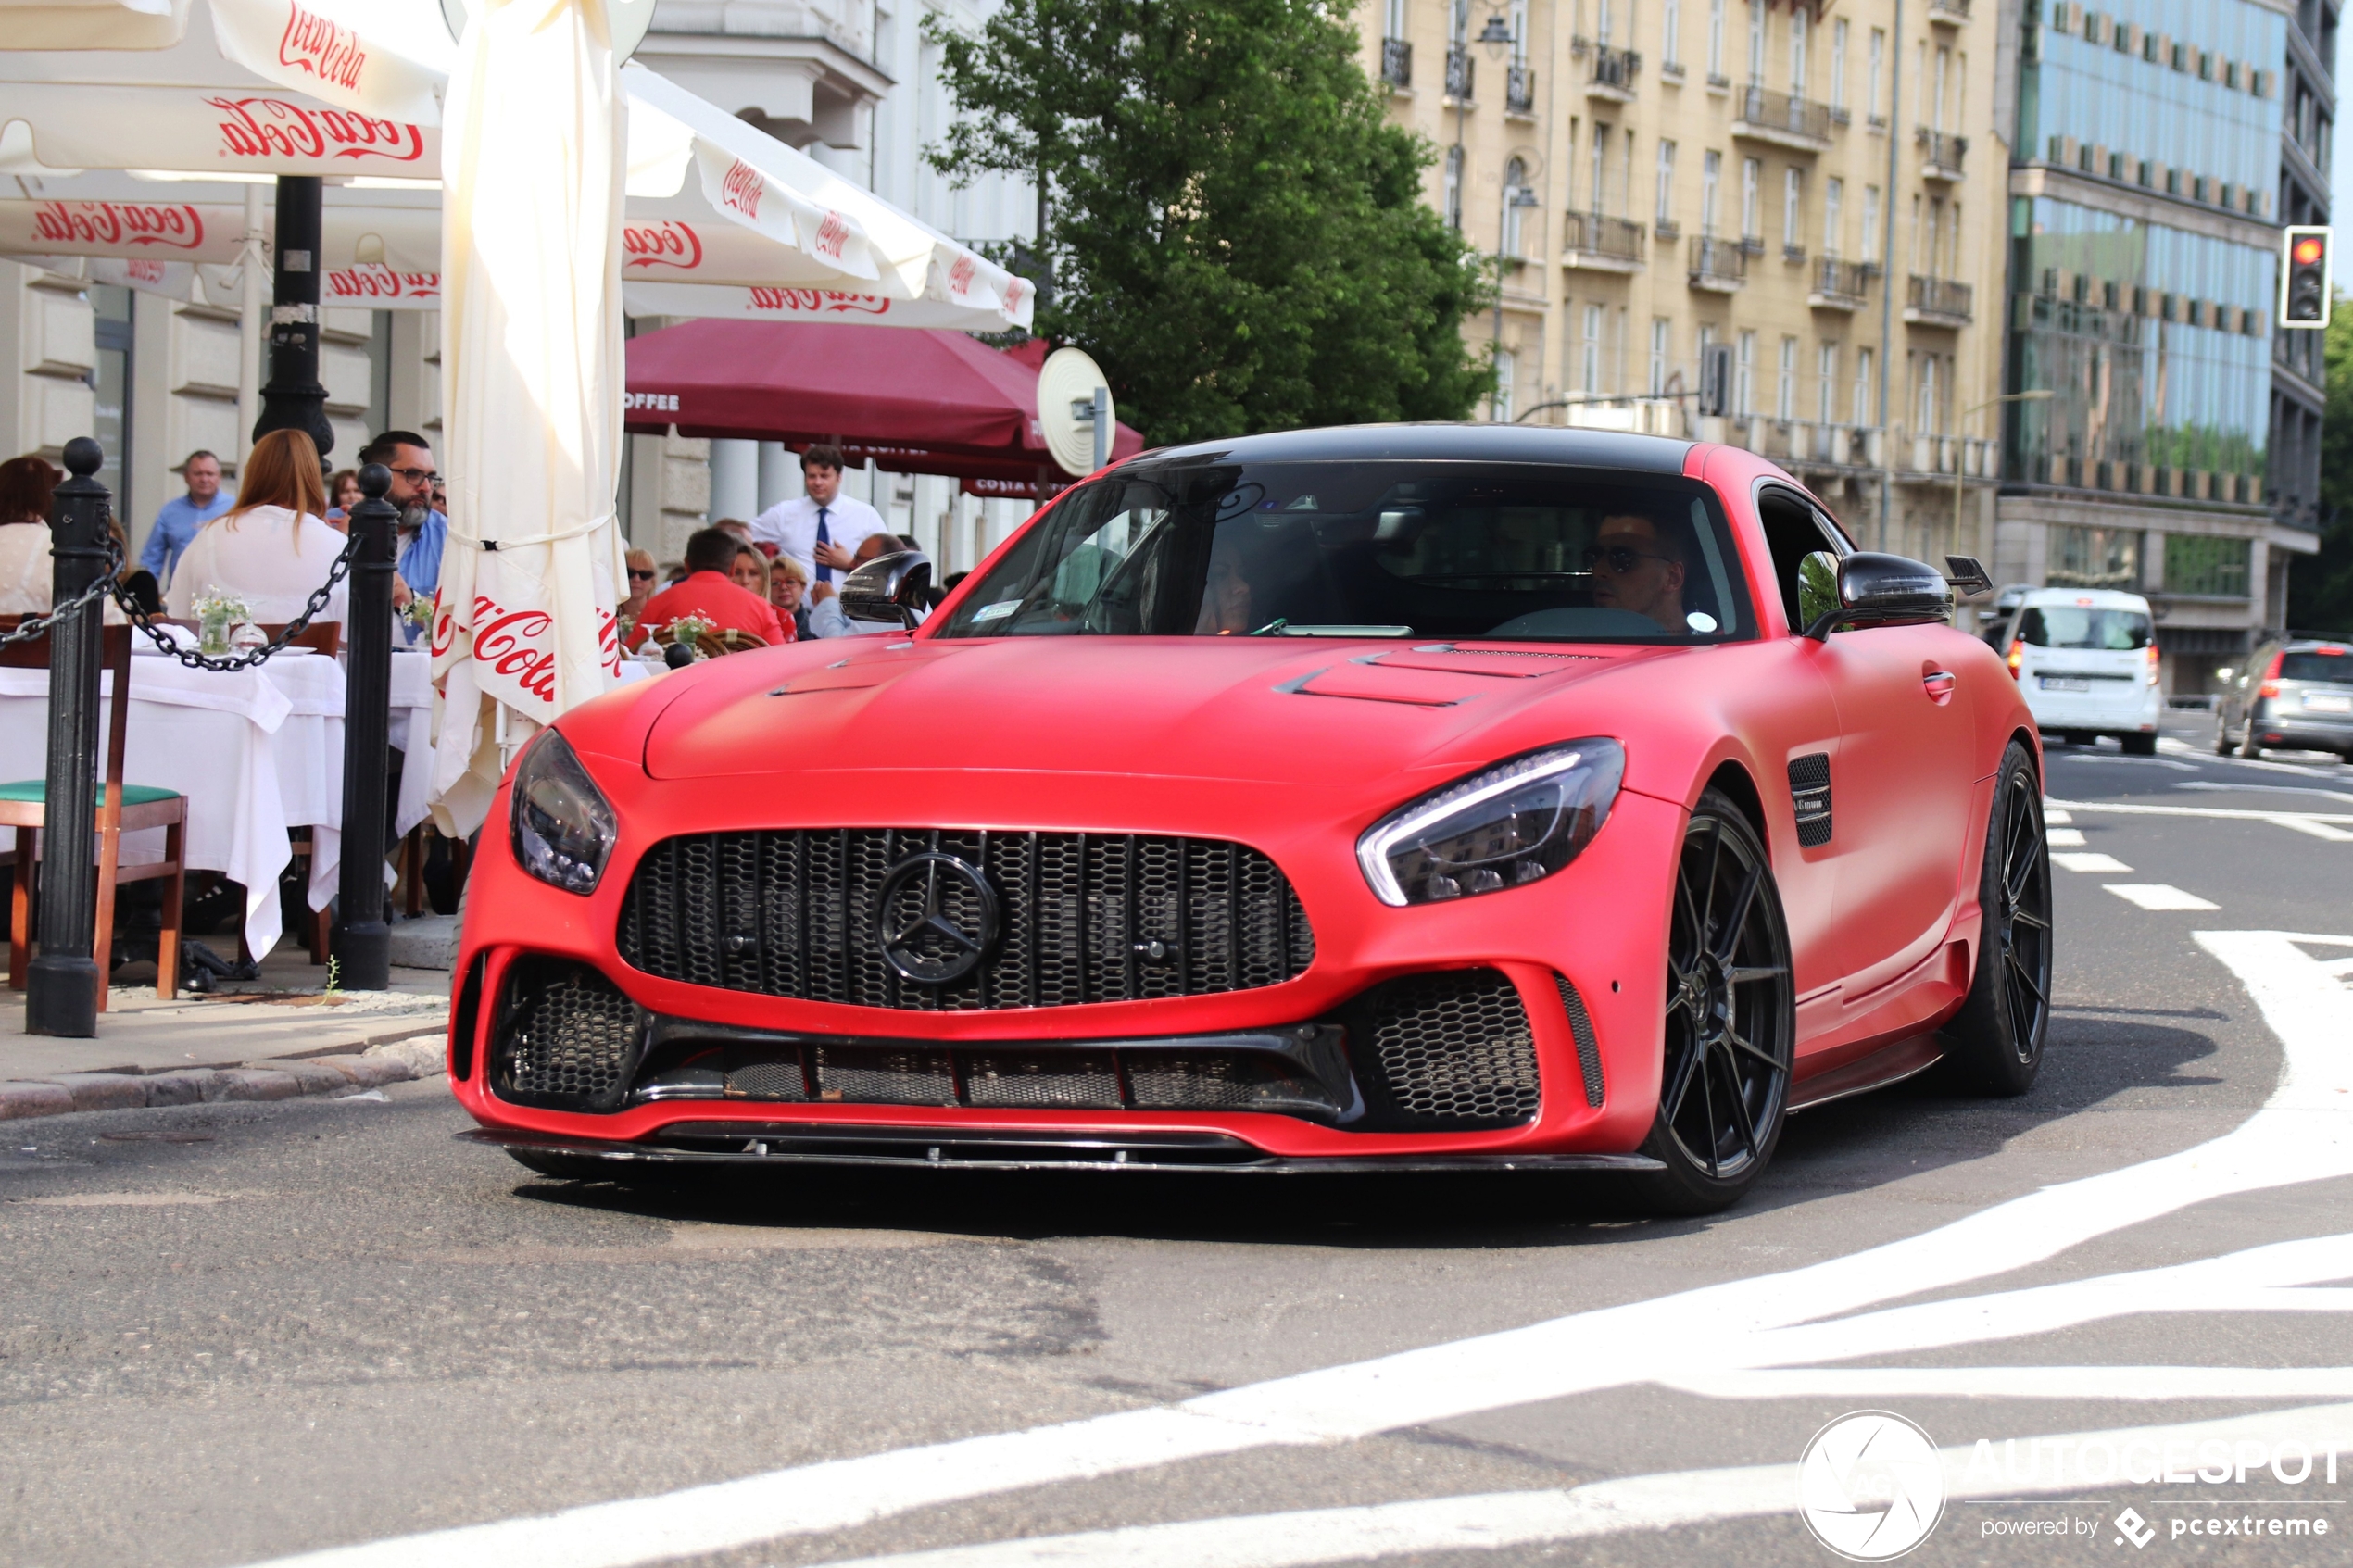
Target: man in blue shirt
182, 515
422, 531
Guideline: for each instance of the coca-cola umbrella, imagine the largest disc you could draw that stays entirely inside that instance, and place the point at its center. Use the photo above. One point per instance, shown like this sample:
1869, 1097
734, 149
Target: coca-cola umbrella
925, 401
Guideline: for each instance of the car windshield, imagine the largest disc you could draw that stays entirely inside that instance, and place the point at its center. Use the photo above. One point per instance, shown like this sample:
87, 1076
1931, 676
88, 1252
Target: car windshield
2075, 626
2320, 665
1395, 549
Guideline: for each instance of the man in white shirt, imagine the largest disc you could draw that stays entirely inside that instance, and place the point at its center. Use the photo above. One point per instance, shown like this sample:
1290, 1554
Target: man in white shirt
823, 529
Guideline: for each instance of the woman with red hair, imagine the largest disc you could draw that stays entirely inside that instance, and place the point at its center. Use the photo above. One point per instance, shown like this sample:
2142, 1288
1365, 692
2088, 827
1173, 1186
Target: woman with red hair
26, 484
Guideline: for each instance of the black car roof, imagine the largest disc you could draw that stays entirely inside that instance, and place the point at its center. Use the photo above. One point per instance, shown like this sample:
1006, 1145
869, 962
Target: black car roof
1456, 442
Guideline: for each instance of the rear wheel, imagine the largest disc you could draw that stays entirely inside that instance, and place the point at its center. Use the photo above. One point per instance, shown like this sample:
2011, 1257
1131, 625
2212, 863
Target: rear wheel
1731, 1021
1994, 1043
2079, 737
2139, 745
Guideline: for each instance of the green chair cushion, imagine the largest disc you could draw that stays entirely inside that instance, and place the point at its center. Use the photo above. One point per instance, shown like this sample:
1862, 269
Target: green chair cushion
132, 794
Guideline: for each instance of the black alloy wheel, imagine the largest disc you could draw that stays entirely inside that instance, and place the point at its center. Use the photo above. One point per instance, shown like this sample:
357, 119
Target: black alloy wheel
1731, 1021
1994, 1043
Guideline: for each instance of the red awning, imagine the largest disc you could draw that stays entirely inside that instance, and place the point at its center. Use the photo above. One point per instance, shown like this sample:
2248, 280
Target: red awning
914, 401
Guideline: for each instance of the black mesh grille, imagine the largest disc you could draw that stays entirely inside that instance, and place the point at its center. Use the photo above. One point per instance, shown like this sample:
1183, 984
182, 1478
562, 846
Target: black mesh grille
566, 1037
1580, 1029
1082, 917
1448, 1051
1809, 796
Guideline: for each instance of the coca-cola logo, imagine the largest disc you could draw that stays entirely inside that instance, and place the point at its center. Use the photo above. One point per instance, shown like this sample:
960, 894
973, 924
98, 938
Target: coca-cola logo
960, 276
742, 189
667, 244
806, 302
832, 235
143, 272
1015, 290
331, 54
268, 128
512, 643
118, 223
375, 281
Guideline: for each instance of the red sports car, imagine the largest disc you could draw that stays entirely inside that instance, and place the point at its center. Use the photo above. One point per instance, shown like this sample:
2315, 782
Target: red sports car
1398, 796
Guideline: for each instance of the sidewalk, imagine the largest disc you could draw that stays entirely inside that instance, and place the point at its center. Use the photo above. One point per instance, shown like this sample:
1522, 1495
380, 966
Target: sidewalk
271, 1038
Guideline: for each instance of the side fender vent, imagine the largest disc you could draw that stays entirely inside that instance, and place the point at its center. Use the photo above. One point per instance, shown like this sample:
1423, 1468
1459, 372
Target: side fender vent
1809, 793
1589, 1051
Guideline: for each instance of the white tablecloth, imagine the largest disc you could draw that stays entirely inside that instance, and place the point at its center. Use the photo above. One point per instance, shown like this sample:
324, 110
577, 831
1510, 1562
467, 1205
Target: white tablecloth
256, 752
411, 721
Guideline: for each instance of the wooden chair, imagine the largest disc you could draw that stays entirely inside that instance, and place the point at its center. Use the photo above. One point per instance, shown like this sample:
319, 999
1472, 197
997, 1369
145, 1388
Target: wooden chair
121, 809
324, 637
713, 645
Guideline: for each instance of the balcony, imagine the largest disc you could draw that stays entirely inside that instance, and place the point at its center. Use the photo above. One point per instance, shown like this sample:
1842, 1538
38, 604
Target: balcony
1718, 266
1397, 62
1838, 286
1613, 75
1804, 444
1519, 90
1759, 114
1458, 73
1937, 302
1594, 243
1941, 153
1948, 13
1666, 229
1793, 255
1949, 456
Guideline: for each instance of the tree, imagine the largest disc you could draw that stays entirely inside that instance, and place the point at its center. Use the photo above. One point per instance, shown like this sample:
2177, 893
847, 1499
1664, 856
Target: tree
2320, 588
1233, 231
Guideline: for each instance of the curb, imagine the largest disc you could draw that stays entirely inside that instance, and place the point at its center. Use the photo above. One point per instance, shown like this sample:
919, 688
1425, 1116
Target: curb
396, 1061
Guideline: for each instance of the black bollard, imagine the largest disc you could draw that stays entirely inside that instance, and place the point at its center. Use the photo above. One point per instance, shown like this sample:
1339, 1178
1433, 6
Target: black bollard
61, 995
362, 940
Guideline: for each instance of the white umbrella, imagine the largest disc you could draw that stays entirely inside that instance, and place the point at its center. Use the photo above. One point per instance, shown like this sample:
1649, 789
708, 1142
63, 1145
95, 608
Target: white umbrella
531, 367
93, 24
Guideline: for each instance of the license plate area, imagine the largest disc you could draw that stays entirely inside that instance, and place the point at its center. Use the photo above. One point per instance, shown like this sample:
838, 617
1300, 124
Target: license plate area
2065, 683
2329, 704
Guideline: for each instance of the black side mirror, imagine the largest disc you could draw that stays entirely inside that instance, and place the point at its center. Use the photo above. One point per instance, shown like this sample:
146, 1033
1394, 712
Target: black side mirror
1879, 590
892, 587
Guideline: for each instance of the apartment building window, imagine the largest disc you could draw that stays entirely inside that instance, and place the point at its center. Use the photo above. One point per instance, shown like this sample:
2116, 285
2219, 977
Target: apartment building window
1515, 180
1875, 70
1454, 186
1603, 22
1838, 64
1520, 30
1793, 209
1872, 237
1936, 101
1785, 382
1826, 383
1670, 33
1505, 365
1568, 166
1397, 18
1863, 388
1590, 352
1662, 334
1924, 411
1711, 177
1756, 42
1800, 38
1601, 170
1715, 40
1833, 215
1752, 177
1744, 374
1665, 182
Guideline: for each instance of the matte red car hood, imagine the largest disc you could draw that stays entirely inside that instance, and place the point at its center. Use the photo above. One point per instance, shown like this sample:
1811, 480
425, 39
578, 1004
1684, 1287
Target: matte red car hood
1271, 710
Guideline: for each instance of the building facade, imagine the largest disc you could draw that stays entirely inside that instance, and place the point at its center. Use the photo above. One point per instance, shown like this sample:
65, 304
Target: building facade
1812, 188
2176, 451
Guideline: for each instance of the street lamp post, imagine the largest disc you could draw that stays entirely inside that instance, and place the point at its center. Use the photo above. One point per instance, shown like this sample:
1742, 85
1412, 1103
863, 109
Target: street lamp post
294, 399
1495, 38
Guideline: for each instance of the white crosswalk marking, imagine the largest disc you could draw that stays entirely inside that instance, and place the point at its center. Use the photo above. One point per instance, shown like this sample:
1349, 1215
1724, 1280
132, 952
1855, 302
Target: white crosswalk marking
2065, 838
2157, 895
2090, 861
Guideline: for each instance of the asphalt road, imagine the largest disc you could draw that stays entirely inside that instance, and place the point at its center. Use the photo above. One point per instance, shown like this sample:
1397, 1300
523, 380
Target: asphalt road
233, 1333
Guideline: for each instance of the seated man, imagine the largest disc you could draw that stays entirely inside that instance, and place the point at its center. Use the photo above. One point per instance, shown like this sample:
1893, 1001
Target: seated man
707, 591
825, 616
1638, 566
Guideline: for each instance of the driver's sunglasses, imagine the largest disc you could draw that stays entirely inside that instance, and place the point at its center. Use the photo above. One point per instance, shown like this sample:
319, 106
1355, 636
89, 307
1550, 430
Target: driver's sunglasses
1621, 560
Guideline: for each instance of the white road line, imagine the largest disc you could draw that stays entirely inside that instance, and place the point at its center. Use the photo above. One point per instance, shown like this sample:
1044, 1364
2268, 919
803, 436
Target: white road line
2052, 818
2263, 789
2053, 1465
2299, 822
2302, 1134
2159, 895
2064, 838
2130, 762
2089, 860
2020, 1383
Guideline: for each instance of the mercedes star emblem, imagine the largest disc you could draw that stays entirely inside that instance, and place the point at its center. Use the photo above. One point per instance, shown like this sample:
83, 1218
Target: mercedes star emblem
936, 918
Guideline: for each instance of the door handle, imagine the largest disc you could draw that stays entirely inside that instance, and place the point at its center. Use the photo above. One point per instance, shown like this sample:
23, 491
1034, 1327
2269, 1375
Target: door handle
1939, 685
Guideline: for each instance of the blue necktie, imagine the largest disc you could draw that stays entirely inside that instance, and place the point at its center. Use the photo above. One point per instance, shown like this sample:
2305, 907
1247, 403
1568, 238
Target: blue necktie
825, 573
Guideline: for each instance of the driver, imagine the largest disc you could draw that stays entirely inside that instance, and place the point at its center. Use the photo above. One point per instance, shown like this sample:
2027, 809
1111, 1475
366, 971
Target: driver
1225, 600
1638, 565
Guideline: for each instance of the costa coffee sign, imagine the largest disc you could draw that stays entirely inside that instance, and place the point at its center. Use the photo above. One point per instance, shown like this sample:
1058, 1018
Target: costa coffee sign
377, 287
173, 230
317, 47
266, 129
652, 246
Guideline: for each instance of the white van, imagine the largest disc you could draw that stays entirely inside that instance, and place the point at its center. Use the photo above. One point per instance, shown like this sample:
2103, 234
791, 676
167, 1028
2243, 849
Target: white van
2086, 661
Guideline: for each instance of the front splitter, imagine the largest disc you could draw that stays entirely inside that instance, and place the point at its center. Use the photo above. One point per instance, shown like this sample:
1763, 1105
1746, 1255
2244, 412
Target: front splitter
926, 1149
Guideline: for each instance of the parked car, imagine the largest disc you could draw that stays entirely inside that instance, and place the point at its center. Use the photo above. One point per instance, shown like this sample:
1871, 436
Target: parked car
2294, 693
2086, 661
1405, 797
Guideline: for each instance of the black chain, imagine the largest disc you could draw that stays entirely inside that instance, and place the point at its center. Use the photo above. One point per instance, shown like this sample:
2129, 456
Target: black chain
194, 660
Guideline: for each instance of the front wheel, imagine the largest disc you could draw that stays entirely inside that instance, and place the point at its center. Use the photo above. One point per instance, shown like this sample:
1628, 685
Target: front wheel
1994, 1043
2138, 745
1731, 1019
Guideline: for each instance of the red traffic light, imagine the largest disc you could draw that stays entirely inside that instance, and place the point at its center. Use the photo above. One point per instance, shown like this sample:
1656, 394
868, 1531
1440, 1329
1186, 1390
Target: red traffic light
2309, 250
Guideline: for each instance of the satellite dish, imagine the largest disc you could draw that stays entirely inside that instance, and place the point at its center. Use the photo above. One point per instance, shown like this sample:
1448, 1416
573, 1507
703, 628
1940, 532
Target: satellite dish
1066, 386
630, 20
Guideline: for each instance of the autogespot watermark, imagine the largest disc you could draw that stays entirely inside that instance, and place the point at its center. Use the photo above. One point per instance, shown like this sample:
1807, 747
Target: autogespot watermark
1873, 1485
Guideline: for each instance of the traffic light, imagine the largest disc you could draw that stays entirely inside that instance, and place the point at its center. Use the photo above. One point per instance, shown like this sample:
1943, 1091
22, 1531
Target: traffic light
2304, 279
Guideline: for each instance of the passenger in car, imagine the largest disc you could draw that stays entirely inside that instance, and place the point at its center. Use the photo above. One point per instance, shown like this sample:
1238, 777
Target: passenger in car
1638, 565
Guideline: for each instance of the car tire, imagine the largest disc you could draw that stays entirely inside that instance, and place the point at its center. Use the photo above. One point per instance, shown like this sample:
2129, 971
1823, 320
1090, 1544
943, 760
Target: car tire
2079, 737
2138, 745
1731, 1019
1994, 1046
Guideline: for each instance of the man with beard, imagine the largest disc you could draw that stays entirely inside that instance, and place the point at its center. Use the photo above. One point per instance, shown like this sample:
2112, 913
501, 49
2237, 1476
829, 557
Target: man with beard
421, 530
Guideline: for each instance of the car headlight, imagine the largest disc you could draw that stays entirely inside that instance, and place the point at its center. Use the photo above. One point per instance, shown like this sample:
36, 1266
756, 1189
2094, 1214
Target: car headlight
561, 826
1504, 826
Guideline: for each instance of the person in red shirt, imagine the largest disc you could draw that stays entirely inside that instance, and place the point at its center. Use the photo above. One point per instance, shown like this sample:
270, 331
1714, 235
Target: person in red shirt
708, 592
